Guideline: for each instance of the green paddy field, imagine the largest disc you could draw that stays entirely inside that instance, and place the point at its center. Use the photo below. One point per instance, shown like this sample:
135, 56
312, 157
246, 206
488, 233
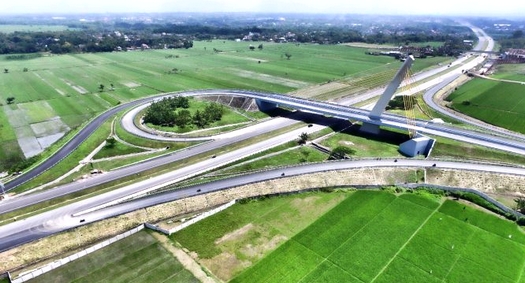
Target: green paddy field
376, 236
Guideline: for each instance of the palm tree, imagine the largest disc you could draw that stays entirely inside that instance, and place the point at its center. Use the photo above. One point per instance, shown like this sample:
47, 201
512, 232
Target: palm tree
303, 137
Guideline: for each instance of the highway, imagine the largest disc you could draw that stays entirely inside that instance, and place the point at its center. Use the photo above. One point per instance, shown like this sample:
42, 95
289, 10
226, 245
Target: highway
66, 217
85, 132
60, 219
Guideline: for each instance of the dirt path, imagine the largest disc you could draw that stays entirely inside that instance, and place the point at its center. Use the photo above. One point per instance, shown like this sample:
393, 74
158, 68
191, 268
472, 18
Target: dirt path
186, 260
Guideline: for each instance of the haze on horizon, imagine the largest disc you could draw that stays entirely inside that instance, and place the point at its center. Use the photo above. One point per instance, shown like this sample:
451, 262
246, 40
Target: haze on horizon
374, 7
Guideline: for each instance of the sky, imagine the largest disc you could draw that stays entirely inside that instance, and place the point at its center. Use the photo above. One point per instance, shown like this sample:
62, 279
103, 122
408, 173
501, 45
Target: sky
388, 7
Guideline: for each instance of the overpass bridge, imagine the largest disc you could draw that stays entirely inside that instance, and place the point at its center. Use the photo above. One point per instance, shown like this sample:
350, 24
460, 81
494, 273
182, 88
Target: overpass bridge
375, 118
363, 115
483, 52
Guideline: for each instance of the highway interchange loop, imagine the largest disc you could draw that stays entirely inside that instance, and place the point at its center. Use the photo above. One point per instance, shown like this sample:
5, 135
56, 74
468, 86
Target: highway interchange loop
64, 218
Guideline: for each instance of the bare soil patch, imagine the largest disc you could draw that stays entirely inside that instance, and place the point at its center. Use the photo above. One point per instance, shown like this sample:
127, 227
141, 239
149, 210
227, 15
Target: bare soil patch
235, 234
77, 88
225, 265
271, 79
186, 260
131, 84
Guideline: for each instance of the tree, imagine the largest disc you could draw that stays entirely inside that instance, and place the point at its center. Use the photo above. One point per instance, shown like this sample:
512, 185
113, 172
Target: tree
101, 87
213, 112
303, 137
10, 100
517, 34
199, 119
341, 152
183, 118
398, 103
110, 142
181, 102
187, 44
520, 204
288, 55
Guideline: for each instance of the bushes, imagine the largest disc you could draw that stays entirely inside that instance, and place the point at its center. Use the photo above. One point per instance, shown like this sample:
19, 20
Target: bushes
476, 199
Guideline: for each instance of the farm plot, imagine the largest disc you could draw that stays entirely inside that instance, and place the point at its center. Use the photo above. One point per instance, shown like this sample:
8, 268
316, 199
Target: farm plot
71, 84
515, 72
498, 103
36, 126
229, 241
137, 258
378, 237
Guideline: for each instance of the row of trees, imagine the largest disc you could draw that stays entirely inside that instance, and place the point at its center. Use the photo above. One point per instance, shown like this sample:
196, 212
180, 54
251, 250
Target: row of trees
71, 41
164, 113
96, 38
516, 40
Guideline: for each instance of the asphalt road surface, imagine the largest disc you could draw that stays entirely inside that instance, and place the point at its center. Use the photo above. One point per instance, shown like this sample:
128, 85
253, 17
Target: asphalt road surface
69, 216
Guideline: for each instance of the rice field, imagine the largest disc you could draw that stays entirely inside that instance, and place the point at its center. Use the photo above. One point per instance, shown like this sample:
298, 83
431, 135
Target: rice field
137, 258
498, 103
71, 84
379, 237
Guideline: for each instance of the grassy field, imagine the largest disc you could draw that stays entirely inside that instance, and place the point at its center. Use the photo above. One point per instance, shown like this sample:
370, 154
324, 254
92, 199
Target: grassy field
138, 258
380, 237
32, 28
69, 84
117, 149
288, 157
247, 231
514, 72
365, 145
498, 103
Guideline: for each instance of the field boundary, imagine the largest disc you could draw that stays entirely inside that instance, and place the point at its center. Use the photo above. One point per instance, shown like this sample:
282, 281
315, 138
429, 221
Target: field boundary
55, 264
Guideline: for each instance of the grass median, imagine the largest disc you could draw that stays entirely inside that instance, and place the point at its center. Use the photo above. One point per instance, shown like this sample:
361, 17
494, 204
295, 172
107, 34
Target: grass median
60, 201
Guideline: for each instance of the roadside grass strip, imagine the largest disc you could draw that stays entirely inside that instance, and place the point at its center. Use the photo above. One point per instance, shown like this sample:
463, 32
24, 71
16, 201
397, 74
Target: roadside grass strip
379, 237
138, 258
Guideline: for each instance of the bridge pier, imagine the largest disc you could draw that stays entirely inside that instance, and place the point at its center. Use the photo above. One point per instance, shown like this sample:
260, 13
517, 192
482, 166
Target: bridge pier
419, 145
265, 106
370, 128
387, 95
